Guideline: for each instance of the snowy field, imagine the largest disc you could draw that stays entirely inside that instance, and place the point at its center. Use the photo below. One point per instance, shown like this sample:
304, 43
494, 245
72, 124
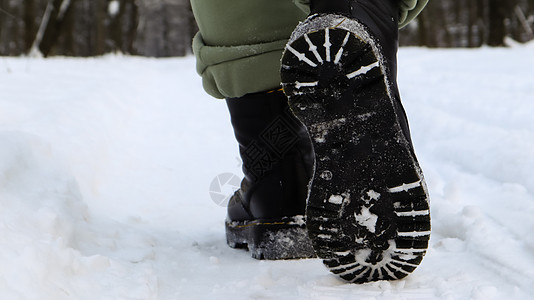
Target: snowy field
106, 166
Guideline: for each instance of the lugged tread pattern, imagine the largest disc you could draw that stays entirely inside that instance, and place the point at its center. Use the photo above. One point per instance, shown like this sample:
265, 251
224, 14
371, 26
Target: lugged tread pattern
368, 211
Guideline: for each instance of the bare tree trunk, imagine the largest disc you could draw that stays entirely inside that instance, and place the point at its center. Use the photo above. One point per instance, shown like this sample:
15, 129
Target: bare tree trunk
3, 24
116, 25
471, 23
51, 26
35, 48
524, 22
68, 33
29, 24
497, 29
422, 30
100, 29
131, 29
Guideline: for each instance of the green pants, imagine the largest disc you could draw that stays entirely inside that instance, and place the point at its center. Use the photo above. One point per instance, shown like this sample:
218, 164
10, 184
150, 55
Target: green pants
240, 42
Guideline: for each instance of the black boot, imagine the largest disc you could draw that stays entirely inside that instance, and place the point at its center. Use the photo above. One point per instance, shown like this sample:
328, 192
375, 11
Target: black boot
266, 214
368, 209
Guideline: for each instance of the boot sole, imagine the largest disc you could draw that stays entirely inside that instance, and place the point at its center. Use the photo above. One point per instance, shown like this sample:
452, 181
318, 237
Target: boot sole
368, 209
286, 238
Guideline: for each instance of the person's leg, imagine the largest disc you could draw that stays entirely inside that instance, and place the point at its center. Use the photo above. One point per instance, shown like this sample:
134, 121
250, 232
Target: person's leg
238, 51
240, 42
368, 209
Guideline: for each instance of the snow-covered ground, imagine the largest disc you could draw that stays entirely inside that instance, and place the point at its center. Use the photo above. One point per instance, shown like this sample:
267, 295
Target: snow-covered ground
106, 166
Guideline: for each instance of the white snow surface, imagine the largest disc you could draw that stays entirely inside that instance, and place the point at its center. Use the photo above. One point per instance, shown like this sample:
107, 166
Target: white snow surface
106, 165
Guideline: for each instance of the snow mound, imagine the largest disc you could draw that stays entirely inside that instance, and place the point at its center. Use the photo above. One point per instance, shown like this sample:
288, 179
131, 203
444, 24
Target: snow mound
43, 223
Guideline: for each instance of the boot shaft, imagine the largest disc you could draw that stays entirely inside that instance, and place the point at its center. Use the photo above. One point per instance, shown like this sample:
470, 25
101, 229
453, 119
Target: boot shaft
277, 157
380, 16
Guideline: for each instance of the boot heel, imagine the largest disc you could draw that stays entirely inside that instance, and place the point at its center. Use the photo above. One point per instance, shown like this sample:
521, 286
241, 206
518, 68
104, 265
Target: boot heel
271, 240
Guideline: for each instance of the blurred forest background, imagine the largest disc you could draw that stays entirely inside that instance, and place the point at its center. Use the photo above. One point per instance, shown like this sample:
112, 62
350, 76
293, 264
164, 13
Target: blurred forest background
162, 28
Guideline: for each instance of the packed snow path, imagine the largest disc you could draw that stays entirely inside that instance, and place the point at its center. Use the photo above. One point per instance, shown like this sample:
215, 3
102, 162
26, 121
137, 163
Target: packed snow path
106, 166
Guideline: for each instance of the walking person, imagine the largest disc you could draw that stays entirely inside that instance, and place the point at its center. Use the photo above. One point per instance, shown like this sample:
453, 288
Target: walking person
329, 166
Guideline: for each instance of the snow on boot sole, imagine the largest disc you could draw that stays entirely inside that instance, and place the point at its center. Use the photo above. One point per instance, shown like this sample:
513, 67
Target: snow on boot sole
368, 209
271, 239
